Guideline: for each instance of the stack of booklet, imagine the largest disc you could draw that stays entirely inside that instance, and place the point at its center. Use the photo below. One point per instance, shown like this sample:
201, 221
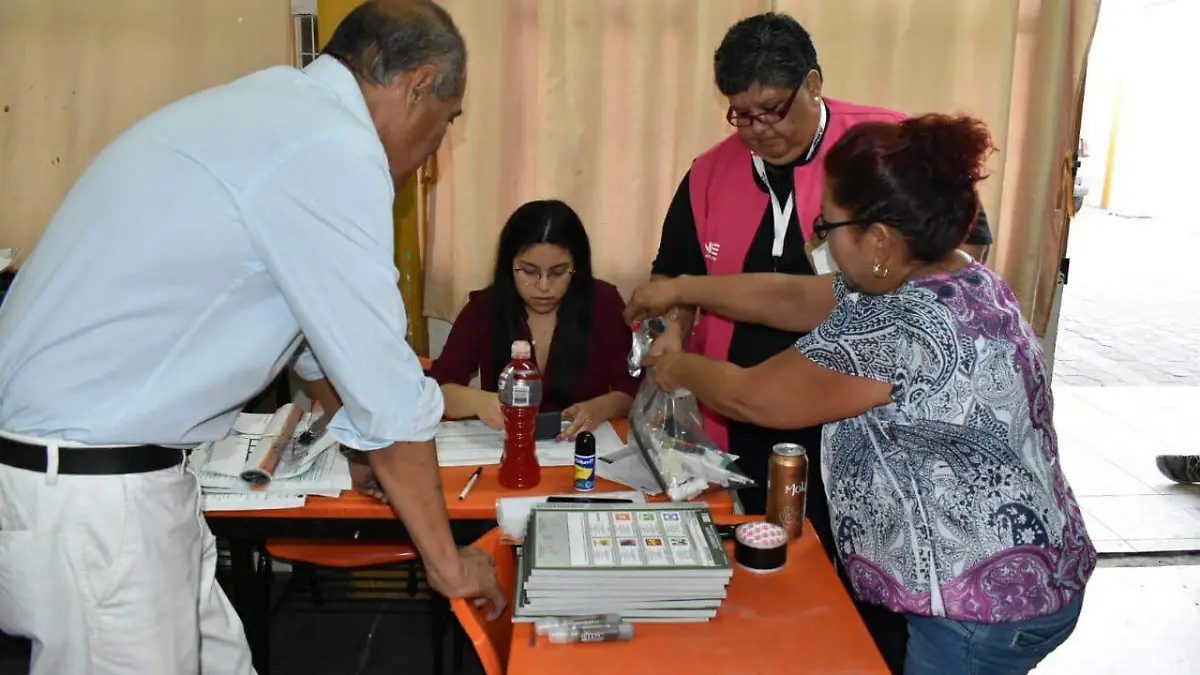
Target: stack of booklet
645, 562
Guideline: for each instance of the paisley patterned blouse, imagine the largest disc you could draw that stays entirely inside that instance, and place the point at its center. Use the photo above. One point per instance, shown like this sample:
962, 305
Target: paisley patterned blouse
949, 501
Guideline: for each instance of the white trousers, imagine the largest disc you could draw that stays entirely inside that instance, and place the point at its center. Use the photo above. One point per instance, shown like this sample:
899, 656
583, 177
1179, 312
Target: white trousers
114, 575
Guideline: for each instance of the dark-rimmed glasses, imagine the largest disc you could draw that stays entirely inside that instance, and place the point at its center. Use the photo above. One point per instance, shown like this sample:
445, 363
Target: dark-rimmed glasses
821, 227
769, 117
531, 277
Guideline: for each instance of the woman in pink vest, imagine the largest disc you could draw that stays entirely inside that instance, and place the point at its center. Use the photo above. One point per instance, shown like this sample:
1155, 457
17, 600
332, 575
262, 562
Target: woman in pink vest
747, 205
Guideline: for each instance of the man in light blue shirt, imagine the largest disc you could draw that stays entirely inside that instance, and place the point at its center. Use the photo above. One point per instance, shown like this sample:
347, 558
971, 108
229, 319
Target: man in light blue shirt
181, 274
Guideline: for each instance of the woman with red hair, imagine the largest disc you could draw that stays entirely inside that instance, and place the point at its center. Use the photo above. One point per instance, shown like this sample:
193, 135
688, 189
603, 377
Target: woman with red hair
939, 455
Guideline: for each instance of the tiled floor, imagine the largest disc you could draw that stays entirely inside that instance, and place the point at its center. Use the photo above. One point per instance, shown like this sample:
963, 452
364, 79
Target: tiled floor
1128, 318
1136, 620
1108, 438
1127, 380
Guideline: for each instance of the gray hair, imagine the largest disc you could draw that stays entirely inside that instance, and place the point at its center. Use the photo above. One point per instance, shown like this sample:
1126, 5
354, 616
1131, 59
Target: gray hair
380, 39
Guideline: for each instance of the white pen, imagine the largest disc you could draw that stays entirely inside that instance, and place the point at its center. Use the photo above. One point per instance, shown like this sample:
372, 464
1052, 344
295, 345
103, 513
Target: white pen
470, 484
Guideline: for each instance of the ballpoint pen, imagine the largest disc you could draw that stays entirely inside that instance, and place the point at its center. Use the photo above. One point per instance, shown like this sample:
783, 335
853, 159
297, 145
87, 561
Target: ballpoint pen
470, 484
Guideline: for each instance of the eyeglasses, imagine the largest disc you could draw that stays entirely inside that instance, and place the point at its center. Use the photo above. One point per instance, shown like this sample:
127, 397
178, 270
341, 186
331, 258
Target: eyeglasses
821, 227
531, 277
769, 118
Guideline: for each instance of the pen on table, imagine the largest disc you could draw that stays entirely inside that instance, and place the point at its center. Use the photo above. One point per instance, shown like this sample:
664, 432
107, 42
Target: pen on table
470, 484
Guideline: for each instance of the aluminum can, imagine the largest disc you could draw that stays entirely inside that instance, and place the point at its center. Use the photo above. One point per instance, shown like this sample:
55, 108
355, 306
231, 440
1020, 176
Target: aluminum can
787, 486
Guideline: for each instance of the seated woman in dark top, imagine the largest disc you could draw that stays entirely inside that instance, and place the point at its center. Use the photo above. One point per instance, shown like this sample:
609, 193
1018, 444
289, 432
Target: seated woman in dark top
542, 291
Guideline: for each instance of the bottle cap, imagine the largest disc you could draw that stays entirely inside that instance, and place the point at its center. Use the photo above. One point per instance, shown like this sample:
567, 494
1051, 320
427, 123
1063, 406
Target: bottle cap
585, 443
520, 350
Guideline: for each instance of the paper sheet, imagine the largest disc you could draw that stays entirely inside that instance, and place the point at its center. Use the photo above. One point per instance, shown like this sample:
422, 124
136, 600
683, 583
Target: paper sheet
7, 256
512, 513
473, 443
229, 455
328, 474
257, 501
626, 466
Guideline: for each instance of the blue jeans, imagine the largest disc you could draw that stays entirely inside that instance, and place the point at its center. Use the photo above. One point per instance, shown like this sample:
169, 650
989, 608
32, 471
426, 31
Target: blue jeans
939, 646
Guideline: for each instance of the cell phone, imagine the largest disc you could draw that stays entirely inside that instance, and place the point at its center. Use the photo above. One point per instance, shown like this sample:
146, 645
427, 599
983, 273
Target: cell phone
549, 426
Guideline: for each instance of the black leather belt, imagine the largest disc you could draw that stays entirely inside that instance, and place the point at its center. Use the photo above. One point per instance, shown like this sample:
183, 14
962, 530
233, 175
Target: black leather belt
91, 461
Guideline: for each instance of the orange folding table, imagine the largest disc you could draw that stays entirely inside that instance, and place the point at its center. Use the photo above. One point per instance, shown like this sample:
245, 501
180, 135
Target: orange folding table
798, 619
353, 516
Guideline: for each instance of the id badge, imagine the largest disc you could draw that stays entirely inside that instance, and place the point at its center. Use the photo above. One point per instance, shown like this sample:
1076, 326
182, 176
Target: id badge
820, 258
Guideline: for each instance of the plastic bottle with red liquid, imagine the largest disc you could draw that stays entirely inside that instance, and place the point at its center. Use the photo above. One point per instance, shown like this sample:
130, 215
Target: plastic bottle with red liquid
520, 390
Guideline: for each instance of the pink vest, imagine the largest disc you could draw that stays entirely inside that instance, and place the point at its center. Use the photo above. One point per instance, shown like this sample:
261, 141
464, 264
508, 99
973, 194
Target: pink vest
728, 207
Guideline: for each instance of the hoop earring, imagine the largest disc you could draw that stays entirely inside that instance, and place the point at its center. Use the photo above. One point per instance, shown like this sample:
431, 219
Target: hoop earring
880, 270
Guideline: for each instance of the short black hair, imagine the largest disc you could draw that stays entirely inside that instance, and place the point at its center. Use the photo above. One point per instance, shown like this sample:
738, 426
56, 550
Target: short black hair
380, 39
771, 50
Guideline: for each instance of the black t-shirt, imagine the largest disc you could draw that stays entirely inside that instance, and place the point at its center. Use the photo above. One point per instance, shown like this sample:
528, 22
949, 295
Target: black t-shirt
679, 253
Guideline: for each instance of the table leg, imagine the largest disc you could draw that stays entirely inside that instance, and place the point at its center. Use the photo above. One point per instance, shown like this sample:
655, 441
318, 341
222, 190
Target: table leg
248, 601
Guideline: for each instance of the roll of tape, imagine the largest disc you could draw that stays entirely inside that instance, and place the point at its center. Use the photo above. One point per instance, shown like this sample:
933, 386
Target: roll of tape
760, 547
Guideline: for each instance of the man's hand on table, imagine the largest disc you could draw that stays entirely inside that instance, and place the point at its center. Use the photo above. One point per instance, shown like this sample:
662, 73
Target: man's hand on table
408, 472
362, 479
475, 579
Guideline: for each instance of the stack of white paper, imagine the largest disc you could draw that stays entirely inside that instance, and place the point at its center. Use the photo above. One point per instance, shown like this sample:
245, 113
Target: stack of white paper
316, 469
473, 443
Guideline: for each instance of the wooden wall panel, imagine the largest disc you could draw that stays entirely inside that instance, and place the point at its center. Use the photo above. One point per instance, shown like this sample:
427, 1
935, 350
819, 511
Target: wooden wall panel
74, 74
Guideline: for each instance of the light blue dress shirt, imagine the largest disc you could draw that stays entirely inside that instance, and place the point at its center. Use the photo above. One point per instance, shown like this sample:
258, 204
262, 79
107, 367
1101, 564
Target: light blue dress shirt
197, 253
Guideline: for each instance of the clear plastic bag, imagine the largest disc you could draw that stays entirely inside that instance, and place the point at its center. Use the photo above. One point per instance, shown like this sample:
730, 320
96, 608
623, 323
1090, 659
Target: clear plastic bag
644, 333
668, 431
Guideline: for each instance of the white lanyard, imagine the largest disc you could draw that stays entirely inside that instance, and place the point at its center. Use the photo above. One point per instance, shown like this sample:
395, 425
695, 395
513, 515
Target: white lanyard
783, 214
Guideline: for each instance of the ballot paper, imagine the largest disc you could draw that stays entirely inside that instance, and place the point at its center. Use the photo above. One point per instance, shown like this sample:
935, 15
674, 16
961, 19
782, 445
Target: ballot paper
7, 256
473, 443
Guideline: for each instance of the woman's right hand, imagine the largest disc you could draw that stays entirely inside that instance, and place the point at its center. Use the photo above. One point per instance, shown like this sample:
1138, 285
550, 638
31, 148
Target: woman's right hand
487, 409
651, 299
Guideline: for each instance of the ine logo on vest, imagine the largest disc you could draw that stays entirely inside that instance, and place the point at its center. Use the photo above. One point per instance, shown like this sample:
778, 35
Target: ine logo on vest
711, 250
